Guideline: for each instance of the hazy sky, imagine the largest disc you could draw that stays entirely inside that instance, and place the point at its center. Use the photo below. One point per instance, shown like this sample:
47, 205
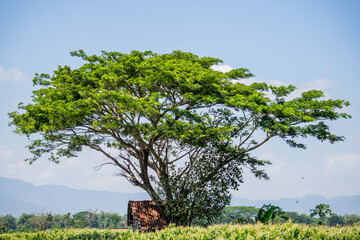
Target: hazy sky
311, 44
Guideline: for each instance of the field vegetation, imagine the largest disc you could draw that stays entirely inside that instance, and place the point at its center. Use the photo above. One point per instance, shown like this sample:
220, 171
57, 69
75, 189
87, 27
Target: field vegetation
286, 230
234, 223
105, 220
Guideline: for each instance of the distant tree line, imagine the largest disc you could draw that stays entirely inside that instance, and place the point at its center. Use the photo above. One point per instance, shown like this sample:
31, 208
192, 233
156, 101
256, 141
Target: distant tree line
274, 214
86, 219
102, 220
250, 215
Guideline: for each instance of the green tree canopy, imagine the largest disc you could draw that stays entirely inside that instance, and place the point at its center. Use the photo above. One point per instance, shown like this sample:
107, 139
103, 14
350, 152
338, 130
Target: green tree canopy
7, 223
175, 127
322, 210
239, 214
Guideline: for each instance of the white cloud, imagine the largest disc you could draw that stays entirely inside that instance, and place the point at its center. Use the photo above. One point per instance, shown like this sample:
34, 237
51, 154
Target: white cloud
274, 82
12, 75
343, 163
222, 68
319, 84
77, 172
6, 153
14, 104
316, 84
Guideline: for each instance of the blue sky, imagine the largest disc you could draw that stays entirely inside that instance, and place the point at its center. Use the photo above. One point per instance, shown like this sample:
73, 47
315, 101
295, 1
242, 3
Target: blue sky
311, 44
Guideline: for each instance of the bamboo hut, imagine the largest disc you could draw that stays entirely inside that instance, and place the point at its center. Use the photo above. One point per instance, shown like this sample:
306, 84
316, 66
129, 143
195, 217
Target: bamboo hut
145, 216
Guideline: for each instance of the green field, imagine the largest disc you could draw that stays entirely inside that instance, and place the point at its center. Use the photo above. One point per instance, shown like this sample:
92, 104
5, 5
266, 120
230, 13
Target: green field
226, 231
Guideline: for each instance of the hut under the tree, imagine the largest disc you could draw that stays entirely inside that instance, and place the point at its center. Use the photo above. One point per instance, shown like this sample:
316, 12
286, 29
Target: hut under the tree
145, 216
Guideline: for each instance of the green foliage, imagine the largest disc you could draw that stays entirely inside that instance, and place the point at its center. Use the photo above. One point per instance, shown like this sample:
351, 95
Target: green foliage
351, 219
7, 223
238, 214
203, 192
170, 123
296, 218
244, 214
233, 215
86, 218
336, 220
42, 221
24, 223
45, 221
321, 210
268, 213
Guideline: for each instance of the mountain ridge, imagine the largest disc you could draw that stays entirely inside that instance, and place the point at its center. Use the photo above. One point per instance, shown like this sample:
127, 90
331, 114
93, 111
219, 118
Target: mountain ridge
340, 205
18, 196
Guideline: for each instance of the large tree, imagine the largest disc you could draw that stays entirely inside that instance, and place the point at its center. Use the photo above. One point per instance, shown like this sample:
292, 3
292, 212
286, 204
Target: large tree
171, 124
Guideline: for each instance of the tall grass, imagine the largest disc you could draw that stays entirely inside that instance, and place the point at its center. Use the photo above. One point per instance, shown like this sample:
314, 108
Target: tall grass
226, 231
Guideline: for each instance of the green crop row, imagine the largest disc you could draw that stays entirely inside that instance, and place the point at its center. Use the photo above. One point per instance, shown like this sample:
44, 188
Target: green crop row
226, 231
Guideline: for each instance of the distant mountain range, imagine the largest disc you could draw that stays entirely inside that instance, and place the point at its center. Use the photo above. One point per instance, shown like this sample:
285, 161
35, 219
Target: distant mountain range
339, 205
17, 197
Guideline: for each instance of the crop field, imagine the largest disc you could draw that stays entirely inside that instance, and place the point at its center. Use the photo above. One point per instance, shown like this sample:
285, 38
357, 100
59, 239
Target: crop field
226, 231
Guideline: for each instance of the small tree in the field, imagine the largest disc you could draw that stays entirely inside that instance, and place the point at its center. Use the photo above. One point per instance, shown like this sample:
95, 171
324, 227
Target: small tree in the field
268, 213
321, 210
175, 127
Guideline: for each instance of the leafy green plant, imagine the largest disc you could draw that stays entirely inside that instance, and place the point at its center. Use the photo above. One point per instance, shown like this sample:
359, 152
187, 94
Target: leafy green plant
268, 213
